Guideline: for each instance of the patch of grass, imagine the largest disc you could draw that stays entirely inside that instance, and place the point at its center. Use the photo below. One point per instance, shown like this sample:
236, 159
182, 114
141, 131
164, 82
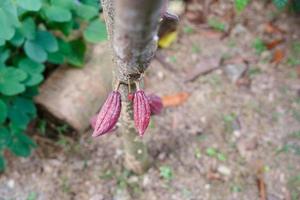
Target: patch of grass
65, 186
166, 173
235, 188
188, 29
259, 46
32, 196
293, 75
296, 134
289, 148
216, 24
42, 124
296, 47
108, 175
215, 153
232, 43
254, 71
228, 119
214, 80
196, 49
294, 185
293, 61
172, 59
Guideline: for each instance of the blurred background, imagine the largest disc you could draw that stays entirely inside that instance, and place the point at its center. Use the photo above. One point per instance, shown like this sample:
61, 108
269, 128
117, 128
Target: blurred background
228, 75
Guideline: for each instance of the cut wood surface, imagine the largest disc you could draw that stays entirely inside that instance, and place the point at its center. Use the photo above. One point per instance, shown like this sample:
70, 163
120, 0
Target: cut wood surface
74, 95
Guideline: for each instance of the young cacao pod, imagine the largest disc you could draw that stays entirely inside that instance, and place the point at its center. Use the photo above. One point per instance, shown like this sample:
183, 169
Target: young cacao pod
141, 111
109, 114
155, 103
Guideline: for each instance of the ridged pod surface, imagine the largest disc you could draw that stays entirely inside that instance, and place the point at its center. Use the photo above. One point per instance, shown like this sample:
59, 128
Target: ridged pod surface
109, 114
155, 103
141, 111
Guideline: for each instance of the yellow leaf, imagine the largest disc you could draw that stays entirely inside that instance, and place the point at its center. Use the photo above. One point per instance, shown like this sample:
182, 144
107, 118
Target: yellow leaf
167, 39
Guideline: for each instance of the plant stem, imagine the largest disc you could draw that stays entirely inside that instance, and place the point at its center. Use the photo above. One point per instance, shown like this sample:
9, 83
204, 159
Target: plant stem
132, 26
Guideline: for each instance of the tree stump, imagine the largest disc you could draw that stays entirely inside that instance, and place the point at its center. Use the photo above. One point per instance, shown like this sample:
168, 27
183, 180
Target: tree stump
74, 95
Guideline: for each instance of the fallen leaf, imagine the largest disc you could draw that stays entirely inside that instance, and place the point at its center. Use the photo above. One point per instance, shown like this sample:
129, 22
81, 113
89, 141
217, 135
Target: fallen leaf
175, 99
274, 43
278, 56
261, 185
166, 40
205, 66
271, 28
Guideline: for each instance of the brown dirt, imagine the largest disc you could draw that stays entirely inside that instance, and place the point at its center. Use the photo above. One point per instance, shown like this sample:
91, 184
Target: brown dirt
252, 122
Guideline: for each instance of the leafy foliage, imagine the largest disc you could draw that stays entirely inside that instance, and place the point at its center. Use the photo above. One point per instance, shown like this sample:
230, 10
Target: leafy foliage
280, 4
240, 5
32, 34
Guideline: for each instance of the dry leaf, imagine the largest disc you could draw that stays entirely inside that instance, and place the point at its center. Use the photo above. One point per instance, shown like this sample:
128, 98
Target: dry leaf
175, 99
167, 39
274, 43
270, 28
278, 56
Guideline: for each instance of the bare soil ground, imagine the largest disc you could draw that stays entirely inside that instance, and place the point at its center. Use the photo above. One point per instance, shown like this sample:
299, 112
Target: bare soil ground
237, 137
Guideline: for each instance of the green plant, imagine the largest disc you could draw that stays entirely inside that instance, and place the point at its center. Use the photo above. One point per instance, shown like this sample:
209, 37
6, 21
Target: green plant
240, 5
166, 173
33, 34
216, 24
259, 46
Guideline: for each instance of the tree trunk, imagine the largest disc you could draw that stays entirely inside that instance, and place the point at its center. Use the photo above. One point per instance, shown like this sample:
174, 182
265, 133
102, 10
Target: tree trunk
132, 27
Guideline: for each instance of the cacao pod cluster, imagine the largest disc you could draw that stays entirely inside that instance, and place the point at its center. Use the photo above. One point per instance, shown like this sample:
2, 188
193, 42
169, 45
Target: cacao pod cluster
143, 106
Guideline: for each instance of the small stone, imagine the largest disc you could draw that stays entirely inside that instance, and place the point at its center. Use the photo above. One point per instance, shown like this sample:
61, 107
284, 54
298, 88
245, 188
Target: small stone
97, 197
222, 169
133, 179
207, 186
235, 71
146, 180
160, 75
11, 183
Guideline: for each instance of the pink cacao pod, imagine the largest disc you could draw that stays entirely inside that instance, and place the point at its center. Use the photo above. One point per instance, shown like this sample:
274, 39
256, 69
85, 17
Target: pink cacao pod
141, 111
155, 103
109, 114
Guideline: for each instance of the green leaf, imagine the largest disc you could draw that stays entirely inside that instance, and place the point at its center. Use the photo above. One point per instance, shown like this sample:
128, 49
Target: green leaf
58, 14
11, 12
2, 162
10, 79
55, 58
4, 55
5, 137
31, 5
28, 28
46, 40
240, 5
3, 112
69, 4
17, 39
280, 4
73, 52
34, 71
86, 12
2, 42
7, 30
94, 3
95, 32
35, 51
21, 111
21, 144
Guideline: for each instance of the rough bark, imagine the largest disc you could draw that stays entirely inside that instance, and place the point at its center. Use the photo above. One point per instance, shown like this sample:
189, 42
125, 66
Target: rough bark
132, 26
